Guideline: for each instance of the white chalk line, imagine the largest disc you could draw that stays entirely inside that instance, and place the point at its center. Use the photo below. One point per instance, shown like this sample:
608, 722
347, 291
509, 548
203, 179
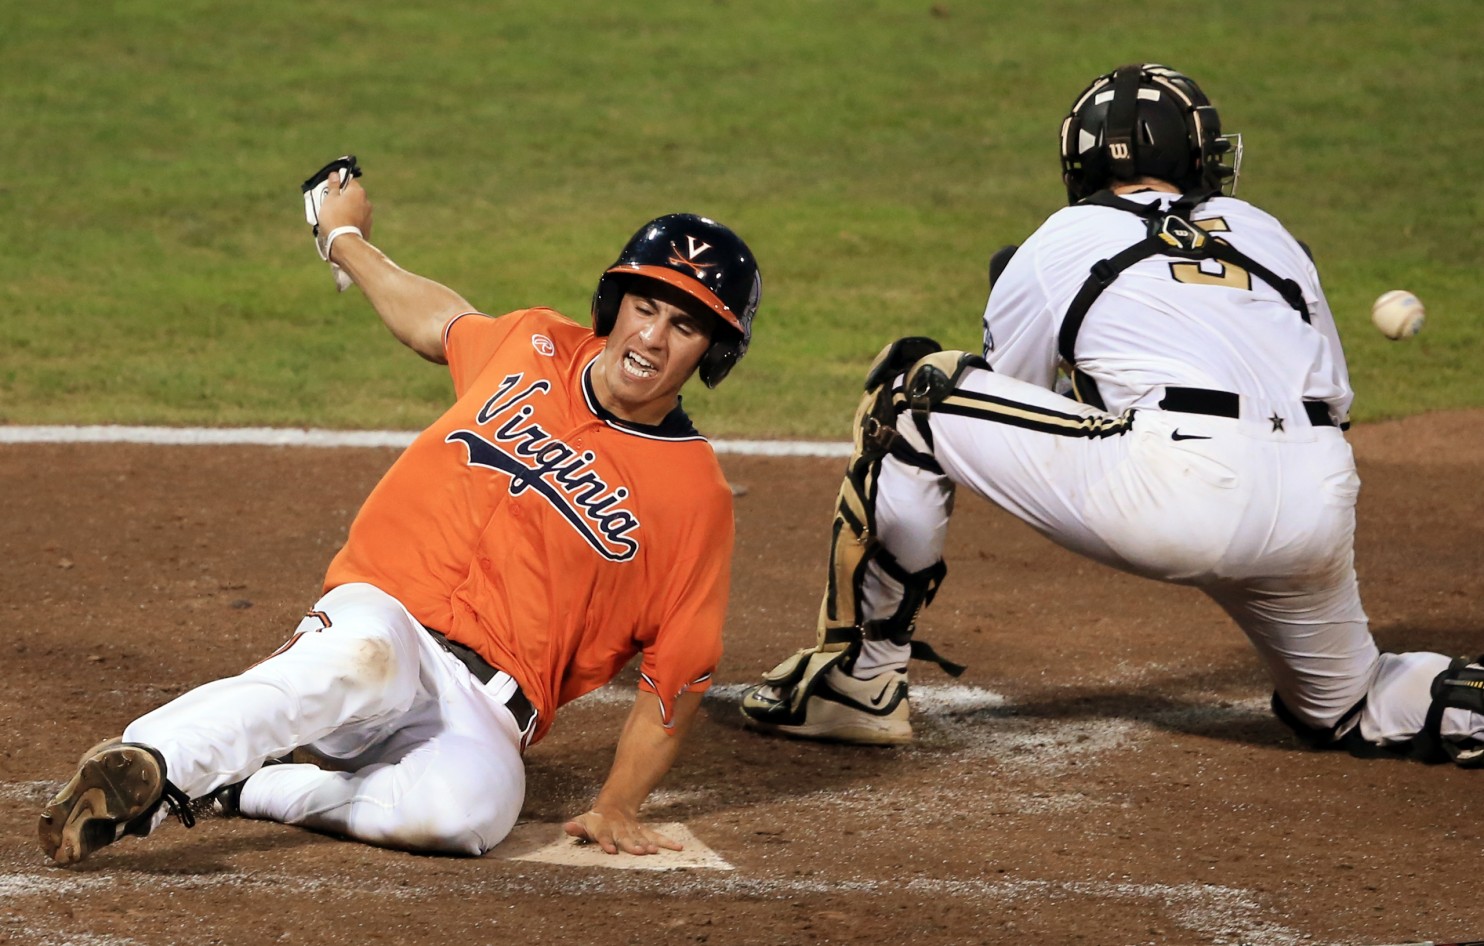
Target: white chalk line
1227, 915
313, 437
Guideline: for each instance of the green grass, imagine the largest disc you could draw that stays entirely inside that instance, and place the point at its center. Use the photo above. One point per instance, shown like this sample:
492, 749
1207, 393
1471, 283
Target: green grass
154, 266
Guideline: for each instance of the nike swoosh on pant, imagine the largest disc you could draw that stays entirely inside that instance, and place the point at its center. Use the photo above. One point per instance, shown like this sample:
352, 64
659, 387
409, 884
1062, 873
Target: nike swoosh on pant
1177, 435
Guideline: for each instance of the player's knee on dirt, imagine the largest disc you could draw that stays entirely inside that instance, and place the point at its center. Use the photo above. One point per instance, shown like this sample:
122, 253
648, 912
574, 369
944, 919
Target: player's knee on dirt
1344, 734
464, 803
1460, 686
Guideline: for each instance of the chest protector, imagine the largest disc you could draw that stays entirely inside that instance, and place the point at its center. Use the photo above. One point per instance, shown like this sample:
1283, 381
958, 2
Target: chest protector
1167, 233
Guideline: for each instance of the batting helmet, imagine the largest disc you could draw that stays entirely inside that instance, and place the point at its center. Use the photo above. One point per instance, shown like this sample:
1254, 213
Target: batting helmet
1145, 120
701, 258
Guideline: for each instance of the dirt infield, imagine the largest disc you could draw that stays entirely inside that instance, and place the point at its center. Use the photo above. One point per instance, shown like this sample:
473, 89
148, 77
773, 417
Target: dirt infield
1105, 773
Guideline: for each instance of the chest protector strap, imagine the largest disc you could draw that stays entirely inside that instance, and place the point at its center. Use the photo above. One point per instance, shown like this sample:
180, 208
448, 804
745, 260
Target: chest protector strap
1170, 233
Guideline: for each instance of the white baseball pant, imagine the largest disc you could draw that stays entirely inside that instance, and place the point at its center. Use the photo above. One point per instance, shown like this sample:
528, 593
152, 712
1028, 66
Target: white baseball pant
1260, 516
432, 757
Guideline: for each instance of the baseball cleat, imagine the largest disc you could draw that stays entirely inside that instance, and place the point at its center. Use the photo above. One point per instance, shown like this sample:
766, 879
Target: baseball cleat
837, 707
226, 801
118, 788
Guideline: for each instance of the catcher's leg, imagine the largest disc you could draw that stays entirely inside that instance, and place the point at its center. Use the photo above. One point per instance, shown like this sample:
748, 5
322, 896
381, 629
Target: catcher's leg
885, 565
1336, 690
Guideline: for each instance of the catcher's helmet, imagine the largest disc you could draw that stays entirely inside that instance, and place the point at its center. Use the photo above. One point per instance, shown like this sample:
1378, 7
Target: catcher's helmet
1145, 120
701, 258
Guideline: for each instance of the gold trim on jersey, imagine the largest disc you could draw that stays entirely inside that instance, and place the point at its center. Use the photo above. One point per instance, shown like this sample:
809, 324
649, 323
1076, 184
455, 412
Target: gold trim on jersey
1031, 417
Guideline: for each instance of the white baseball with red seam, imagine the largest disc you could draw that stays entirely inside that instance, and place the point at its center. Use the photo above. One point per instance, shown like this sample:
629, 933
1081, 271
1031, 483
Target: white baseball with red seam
1398, 314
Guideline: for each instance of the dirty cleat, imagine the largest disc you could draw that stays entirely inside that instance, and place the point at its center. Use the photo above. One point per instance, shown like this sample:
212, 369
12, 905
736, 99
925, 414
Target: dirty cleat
808, 696
118, 788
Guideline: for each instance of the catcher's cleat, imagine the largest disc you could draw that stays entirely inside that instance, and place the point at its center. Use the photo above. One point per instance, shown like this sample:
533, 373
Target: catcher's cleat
809, 696
226, 802
118, 788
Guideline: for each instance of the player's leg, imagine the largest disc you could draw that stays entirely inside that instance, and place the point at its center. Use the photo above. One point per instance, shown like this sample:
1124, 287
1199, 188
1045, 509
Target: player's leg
851, 685
1335, 689
352, 660
1031, 451
448, 780
1300, 606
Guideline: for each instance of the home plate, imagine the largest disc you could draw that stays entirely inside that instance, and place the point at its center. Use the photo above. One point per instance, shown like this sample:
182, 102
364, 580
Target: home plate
549, 844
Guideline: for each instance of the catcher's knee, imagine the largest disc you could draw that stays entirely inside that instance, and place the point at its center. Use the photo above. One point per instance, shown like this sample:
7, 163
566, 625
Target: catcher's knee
1460, 686
933, 379
876, 415
929, 376
1344, 734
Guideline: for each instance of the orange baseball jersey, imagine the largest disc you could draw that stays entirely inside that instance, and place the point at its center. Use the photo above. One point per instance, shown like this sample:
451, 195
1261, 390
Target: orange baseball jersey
553, 538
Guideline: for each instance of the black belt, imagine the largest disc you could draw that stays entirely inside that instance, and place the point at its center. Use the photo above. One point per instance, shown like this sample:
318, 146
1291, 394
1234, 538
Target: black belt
519, 705
1226, 404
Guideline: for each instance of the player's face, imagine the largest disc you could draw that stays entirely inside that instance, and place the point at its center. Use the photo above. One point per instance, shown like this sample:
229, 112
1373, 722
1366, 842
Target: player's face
655, 346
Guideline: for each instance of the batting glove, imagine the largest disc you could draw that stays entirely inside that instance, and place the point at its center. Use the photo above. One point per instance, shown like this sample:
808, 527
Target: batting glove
315, 189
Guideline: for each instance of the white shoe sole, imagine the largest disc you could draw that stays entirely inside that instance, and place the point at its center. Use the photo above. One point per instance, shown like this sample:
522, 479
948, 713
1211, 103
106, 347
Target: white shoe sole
833, 722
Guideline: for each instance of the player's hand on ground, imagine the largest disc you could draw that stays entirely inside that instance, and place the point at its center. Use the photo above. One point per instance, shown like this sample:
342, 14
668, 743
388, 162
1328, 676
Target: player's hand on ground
615, 832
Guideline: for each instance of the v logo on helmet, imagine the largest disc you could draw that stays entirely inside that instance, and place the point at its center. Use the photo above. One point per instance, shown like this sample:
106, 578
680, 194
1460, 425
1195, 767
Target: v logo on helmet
696, 248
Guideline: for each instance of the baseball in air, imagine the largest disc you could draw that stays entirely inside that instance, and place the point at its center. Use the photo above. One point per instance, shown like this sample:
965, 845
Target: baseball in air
1398, 314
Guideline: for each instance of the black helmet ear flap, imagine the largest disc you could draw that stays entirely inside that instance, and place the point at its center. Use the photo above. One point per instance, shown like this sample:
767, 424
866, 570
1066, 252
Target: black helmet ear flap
717, 363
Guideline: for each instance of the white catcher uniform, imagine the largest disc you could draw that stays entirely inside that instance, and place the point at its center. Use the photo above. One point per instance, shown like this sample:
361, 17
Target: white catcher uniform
1257, 509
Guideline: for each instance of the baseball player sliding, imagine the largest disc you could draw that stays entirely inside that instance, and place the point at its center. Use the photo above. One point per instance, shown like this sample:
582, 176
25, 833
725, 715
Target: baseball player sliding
562, 516
1201, 443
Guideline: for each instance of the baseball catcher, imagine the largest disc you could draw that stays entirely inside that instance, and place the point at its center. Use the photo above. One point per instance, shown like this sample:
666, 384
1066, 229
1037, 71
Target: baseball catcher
560, 518
1162, 389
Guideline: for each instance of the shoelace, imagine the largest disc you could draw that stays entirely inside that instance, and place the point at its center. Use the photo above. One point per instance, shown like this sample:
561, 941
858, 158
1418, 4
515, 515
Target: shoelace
178, 802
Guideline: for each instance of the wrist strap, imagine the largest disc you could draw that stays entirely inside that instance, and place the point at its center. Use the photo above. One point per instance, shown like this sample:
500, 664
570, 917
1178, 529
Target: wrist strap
329, 240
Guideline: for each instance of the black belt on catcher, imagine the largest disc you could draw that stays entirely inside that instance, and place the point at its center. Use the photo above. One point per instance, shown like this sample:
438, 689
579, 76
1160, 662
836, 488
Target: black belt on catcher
1226, 404
519, 705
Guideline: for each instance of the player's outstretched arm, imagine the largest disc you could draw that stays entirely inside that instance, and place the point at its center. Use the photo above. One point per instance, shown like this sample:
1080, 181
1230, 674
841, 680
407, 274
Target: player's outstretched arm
645, 752
415, 308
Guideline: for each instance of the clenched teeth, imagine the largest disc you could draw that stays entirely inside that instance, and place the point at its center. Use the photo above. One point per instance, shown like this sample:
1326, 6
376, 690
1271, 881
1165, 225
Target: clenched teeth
638, 365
